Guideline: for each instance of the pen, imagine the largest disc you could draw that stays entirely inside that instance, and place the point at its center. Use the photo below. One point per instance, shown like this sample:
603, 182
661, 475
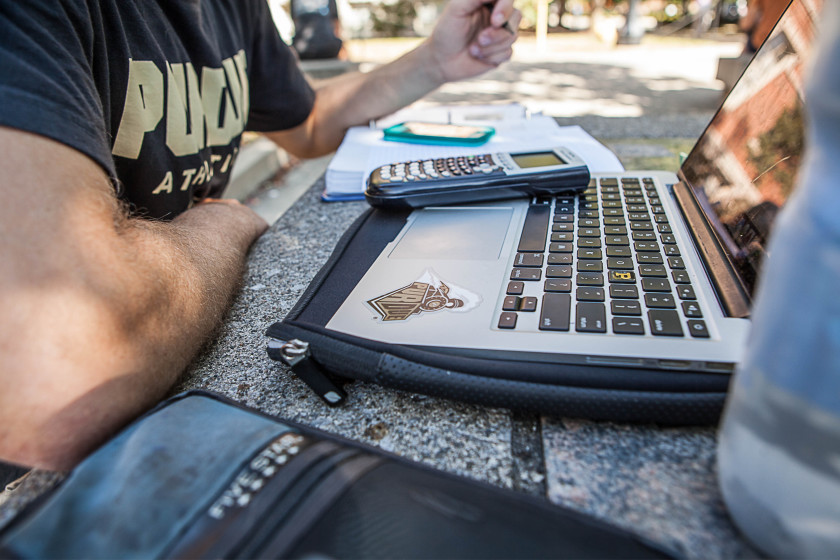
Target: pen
506, 25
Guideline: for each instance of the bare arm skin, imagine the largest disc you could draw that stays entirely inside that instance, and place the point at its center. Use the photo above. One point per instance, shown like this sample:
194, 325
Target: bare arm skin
99, 312
468, 40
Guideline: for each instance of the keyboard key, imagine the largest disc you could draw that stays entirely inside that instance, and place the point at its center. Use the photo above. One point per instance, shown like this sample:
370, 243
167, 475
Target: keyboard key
535, 229
660, 218
507, 320
615, 230
672, 250
530, 260
643, 236
660, 301
619, 263
680, 277
563, 227
589, 232
614, 221
697, 328
591, 242
691, 309
590, 266
617, 240
559, 258
664, 322
619, 251
590, 254
558, 285
515, 288
528, 304
626, 307
560, 247
649, 258
668, 239
628, 325
589, 294
664, 228
559, 271
656, 285
510, 303
563, 218
685, 291
590, 279
589, 223
527, 274
554, 315
646, 246
589, 214
653, 271
591, 317
623, 291
676, 262
622, 276
562, 236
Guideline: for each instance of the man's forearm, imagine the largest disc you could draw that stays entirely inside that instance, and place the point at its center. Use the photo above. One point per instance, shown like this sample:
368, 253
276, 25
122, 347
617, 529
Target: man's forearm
99, 313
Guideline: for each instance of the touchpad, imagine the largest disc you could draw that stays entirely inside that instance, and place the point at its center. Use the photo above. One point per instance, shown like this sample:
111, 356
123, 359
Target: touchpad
455, 233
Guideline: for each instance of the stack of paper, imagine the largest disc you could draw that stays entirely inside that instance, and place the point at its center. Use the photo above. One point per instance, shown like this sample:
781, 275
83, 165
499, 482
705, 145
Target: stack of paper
363, 148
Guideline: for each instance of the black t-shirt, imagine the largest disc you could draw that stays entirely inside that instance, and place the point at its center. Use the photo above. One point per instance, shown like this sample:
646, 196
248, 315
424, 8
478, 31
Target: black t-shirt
157, 92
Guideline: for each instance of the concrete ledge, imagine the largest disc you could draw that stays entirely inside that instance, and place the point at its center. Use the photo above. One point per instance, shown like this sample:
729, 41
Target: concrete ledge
259, 160
327, 68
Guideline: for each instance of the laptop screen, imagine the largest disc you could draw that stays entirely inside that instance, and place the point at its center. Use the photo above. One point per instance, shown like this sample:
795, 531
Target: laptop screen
744, 166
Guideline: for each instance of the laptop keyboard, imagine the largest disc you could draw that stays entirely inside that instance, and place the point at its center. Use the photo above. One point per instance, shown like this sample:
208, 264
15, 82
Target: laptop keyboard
606, 262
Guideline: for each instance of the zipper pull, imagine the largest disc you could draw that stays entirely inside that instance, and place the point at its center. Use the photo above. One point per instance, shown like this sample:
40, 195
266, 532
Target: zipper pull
295, 353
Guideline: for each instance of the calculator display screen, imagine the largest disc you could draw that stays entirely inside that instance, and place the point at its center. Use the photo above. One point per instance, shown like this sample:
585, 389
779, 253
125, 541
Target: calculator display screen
537, 159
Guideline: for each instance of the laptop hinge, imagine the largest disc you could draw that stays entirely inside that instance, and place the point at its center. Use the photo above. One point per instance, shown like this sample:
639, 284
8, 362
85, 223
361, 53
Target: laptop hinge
730, 291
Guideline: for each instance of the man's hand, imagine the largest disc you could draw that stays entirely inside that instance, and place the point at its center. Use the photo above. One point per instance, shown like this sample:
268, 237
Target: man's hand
473, 36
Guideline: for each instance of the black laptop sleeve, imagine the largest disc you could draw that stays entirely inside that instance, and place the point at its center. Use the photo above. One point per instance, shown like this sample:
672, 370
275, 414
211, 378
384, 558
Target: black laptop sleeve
326, 359
203, 477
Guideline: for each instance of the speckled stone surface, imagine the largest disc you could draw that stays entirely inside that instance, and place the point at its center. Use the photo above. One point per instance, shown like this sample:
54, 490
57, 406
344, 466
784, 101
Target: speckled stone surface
659, 483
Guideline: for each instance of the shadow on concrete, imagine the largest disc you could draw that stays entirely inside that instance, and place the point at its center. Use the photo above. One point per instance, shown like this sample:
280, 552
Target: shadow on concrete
573, 88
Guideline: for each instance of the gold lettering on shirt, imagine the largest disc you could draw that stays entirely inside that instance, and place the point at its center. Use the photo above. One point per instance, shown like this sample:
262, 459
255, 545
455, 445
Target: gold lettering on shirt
184, 111
143, 108
197, 112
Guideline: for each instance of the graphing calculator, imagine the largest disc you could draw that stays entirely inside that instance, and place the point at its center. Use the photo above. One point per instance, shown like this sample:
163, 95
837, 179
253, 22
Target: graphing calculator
476, 178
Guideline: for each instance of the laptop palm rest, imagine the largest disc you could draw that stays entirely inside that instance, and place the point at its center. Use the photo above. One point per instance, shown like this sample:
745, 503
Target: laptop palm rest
461, 233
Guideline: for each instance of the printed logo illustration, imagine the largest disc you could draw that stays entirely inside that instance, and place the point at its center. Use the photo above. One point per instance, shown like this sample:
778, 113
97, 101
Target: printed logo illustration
426, 294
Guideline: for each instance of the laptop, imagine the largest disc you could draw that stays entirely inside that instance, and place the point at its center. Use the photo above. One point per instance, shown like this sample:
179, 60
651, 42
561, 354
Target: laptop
642, 270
